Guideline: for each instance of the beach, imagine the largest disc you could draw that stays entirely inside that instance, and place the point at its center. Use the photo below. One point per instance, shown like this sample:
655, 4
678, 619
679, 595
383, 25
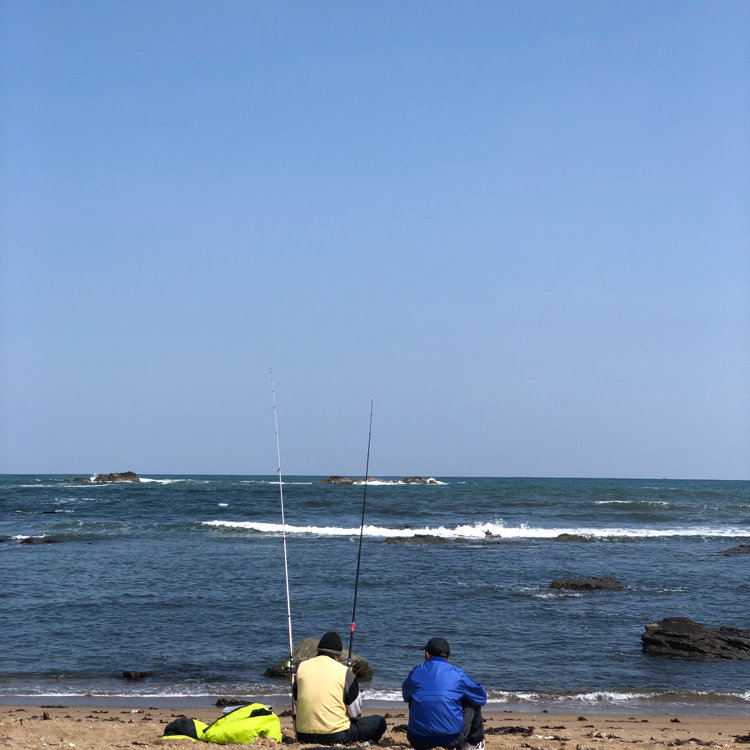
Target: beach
105, 728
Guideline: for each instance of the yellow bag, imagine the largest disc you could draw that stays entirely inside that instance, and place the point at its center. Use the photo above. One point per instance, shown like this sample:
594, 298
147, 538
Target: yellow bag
244, 724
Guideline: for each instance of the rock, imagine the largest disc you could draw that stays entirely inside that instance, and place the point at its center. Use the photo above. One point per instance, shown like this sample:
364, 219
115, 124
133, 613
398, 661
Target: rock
37, 540
681, 636
223, 702
307, 648
571, 538
334, 479
132, 674
125, 476
415, 480
593, 583
741, 549
417, 539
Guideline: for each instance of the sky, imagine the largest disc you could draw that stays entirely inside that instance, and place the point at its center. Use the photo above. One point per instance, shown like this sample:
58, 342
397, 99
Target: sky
520, 227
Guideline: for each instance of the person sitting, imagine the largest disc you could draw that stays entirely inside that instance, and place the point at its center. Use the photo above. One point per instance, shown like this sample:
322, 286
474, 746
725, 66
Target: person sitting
444, 703
329, 704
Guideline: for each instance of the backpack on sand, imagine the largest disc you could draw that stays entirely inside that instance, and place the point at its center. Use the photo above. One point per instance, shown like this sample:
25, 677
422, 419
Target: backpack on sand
242, 725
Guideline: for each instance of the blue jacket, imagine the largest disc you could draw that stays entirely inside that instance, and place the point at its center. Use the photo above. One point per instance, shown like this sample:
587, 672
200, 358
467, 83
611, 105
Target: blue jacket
436, 692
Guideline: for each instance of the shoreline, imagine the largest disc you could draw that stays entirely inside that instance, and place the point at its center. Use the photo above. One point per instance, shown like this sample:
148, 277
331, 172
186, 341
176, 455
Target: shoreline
641, 706
117, 726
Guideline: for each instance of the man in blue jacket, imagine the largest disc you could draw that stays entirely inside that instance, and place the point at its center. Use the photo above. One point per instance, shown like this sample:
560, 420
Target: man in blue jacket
444, 703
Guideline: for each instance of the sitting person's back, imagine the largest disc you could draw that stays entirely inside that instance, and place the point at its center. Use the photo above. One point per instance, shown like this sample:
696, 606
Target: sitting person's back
329, 704
444, 702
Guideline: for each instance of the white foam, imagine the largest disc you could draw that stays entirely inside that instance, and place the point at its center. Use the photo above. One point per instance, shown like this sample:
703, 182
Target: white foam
480, 531
632, 502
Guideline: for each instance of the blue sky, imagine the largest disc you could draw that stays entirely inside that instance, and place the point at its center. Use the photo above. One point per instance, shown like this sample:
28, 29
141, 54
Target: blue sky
521, 227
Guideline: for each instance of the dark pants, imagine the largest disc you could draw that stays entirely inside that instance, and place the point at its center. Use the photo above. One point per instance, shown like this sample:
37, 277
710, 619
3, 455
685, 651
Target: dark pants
473, 732
363, 729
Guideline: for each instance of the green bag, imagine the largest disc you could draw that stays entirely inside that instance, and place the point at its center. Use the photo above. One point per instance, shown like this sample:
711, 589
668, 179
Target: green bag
244, 724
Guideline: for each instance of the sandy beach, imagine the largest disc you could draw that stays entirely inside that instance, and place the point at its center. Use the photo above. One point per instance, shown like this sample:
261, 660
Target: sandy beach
104, 728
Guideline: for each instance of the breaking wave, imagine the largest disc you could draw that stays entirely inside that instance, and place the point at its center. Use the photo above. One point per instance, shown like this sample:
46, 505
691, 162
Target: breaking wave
480, 531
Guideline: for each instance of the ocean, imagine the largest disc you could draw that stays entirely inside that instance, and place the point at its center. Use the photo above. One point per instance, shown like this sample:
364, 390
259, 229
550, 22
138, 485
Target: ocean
183, 577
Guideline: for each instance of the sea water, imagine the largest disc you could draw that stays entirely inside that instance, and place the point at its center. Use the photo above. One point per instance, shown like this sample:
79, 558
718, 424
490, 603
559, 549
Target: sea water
183, 577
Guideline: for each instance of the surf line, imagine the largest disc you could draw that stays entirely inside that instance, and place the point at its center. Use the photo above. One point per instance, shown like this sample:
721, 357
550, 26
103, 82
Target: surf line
283, 536
361, 534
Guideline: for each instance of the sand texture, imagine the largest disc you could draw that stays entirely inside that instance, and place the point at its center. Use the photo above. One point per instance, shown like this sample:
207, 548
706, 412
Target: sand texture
87, 728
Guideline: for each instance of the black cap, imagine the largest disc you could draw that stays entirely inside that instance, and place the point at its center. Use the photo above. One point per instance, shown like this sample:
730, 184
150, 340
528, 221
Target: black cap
437, 647
330, 643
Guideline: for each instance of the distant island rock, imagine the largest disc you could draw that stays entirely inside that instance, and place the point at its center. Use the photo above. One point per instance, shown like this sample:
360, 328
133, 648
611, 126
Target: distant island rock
591, 583
682, 637
125, 476
335, 479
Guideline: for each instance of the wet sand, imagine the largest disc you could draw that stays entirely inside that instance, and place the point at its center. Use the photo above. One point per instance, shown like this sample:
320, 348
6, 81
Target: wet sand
105, 728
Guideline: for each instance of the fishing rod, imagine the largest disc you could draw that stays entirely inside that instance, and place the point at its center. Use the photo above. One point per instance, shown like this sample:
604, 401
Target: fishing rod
283, 536
361, 534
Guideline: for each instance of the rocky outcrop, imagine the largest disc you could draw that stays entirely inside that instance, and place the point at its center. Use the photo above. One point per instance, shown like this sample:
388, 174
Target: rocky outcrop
417, 539
307, 648
592, 583
682, 637
335, 479
125, 476
571, 538
132, 674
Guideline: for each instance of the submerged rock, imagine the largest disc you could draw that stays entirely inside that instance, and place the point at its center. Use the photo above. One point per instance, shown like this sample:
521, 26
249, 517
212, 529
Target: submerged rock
740, 549
133, 674
417, 539
37, 540
682, 637
592, 583
307, 648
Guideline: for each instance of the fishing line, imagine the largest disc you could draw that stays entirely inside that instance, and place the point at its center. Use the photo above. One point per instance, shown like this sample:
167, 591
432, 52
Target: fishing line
283, 536
361, 534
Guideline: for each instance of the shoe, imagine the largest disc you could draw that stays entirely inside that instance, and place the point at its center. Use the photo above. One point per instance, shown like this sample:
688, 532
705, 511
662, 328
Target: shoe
478, 746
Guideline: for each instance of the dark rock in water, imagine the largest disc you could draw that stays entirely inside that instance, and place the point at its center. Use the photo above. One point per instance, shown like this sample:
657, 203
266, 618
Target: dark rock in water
741, 549
417, 480
131, 674
307, 648
592, 583
334, 479
571, 538
417, 539
125, 476
681, 636
37, 540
